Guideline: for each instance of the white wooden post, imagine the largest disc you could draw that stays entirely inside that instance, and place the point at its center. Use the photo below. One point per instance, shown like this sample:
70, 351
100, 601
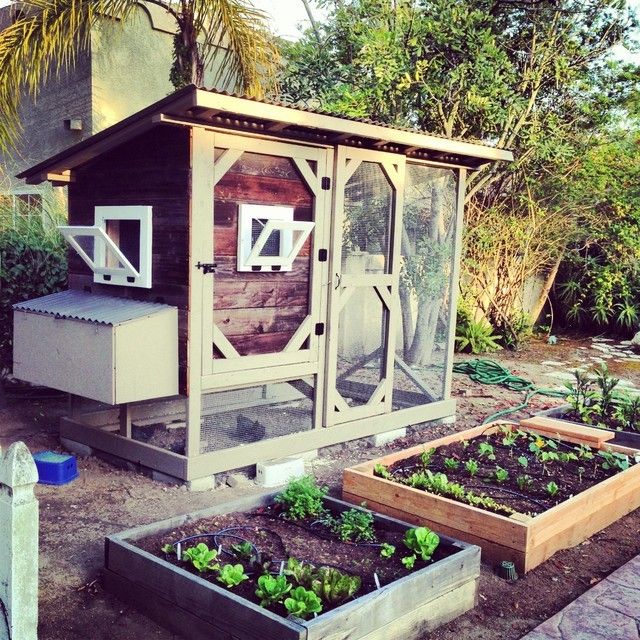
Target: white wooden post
18, 545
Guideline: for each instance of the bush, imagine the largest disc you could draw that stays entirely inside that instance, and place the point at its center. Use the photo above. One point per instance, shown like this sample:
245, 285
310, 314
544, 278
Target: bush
33, 263
474, 336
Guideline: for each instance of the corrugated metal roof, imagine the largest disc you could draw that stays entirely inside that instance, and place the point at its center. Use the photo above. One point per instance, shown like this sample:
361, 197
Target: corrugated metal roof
90, 307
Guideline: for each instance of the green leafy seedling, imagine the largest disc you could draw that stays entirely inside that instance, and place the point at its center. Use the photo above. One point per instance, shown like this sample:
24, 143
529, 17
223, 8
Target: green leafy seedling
451, 463
232, 575
386, 550
303, 603
409, 561
168, 549
524, 482
334, 587
422, 541
354, 525
523, 462
272, 589
485, 449
382, 472
302, 498
502, 475
242, 550
301, 572
552, 488
202, 558
472, 467
426, 457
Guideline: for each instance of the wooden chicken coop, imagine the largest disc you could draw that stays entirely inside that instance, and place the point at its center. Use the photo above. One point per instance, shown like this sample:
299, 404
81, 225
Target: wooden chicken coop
250, 280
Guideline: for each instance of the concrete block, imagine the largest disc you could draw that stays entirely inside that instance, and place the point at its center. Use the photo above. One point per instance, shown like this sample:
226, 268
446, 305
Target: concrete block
277, 472
380, 439
202, 484
77, 448
448, 420
158, 476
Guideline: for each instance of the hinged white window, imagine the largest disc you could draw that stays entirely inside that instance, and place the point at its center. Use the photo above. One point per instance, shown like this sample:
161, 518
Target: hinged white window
269, 238
117, 248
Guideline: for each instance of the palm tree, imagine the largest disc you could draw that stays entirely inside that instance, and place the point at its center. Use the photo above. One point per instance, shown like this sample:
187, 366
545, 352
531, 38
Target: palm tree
47, 36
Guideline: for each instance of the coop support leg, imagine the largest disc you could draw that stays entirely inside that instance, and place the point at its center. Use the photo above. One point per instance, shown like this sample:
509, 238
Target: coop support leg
125, 420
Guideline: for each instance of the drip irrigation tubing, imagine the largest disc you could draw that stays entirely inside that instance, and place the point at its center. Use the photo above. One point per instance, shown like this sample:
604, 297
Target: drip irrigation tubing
492, 372
489, 490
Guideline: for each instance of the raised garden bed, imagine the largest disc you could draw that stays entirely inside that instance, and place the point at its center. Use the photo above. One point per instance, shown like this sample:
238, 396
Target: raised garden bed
595, 399
522, 521
407, 604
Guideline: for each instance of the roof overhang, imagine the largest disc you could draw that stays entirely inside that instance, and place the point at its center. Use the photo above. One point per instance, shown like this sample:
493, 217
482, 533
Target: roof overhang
200, 108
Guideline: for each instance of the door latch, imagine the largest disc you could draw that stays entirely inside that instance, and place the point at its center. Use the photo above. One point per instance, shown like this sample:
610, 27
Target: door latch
207, 267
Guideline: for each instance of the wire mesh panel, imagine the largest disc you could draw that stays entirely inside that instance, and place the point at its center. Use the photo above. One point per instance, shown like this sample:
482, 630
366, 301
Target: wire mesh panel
368, 201
264, 412
428, 240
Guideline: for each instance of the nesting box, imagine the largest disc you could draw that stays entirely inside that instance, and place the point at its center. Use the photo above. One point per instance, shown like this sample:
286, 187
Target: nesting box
311, 261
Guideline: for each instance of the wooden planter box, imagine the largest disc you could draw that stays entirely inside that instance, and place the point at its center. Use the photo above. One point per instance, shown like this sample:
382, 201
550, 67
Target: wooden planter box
526, 541
622, 438
199, 610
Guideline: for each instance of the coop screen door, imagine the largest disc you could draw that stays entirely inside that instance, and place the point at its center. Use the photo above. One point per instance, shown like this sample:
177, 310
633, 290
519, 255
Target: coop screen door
364, 305
268, 223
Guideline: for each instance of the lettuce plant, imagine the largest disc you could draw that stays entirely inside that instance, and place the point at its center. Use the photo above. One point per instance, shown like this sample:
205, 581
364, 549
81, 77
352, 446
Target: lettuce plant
272, 589
422, 541
303, 603
202, 558
232, 575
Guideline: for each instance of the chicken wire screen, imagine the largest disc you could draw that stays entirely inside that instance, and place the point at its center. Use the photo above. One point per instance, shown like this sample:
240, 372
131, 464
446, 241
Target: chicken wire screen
264, 412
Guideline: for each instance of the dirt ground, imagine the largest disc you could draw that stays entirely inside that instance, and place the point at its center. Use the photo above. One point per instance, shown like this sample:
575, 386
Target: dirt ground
103, 500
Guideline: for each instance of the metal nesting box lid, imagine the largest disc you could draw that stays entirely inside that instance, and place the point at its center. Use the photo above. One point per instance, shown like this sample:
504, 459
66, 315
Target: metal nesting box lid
78, 305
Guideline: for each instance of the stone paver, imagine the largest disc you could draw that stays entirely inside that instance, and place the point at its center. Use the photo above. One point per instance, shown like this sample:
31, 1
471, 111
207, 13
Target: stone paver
608, 611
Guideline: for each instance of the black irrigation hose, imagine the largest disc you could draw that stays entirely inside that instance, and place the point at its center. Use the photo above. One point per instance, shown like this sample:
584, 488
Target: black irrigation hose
510, 491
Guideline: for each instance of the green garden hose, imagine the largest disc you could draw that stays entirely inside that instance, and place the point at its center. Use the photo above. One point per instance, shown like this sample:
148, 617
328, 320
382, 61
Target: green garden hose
491, 372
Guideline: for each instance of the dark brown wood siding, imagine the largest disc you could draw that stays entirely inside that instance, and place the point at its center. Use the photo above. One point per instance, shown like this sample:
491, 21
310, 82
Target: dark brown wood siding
258, 312
152, 169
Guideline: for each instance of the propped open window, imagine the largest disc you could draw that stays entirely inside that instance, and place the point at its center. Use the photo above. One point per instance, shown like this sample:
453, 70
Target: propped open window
269, 238
117, 248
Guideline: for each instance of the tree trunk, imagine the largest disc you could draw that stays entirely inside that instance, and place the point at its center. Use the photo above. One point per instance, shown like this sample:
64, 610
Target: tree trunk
544, 294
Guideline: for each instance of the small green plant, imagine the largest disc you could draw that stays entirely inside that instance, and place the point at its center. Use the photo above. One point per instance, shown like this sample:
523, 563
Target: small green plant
523, 461
382, 472
302, 498
465, 444
422, 541
552, 488
475, 336
303, 603
333, 586
354, 525
584, 452
301, 572
614, 460
426, 457
409, 561
581, 471
231, 575
485, 449
451, 463
242, 550
502, 475
387, 550
272, 589
202, 558
524, 482
472, 467
168, 549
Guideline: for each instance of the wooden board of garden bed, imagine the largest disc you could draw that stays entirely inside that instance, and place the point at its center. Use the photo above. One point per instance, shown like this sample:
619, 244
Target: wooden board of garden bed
198, 609
526, 541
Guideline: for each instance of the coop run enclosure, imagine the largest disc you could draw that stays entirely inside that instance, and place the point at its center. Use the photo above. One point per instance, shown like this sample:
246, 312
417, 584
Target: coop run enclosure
250, 280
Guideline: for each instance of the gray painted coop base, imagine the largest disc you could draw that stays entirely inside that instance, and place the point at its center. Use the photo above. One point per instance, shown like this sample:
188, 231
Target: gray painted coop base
100, 432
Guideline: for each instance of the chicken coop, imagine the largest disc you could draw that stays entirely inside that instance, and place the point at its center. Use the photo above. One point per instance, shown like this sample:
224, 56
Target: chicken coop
249, 280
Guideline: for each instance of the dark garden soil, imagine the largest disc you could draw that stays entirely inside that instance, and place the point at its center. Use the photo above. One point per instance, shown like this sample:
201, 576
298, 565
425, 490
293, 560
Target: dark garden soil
510, 473
278, 540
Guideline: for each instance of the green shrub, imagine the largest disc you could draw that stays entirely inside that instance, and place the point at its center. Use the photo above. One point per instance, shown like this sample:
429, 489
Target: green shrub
474, 336
33, 263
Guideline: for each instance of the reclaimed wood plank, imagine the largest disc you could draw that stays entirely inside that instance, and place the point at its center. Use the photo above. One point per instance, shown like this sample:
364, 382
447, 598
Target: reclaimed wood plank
567, 428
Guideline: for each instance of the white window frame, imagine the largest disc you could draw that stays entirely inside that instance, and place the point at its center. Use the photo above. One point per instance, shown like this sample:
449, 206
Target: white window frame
278, 219
126, 275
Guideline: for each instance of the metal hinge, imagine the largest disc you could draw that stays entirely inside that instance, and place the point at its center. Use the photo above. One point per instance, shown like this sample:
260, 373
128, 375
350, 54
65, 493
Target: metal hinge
325, 183
207, 267
320, 329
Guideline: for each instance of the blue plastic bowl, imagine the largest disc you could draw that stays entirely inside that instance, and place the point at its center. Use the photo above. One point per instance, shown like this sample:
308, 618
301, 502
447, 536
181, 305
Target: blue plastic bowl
55, 468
